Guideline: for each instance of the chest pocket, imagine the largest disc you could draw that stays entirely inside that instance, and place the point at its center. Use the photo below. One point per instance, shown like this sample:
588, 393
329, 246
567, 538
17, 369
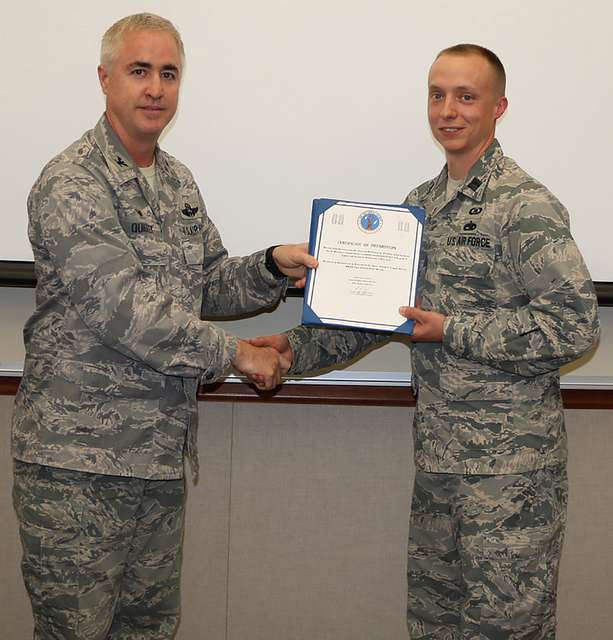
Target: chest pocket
189, 221
465, 263
465, 276
192, 244
145, 235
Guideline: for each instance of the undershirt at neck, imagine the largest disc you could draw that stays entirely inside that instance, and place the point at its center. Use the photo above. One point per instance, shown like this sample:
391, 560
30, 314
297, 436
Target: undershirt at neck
149, 173
453, 186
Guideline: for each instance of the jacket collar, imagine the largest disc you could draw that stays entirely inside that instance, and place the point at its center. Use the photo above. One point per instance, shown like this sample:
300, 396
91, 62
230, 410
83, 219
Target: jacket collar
476, 181
118, 160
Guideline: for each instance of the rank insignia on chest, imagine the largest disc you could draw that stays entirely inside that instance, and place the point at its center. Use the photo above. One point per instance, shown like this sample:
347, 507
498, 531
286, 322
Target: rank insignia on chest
474, 184
188, 211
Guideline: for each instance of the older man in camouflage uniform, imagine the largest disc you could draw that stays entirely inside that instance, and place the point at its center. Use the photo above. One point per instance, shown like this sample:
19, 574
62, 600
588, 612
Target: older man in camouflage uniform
506, 300
127, 260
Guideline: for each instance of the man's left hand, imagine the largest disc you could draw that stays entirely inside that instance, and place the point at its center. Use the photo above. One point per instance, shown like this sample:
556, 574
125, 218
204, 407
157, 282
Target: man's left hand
428, 324
293, 259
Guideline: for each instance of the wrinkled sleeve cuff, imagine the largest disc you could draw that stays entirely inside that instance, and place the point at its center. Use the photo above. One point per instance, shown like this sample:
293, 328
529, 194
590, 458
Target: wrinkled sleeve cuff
295, 339
268, 278
219, 369
455, 336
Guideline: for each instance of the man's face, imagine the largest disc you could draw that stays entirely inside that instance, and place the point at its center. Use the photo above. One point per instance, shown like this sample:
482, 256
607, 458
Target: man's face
463, 105
142, 86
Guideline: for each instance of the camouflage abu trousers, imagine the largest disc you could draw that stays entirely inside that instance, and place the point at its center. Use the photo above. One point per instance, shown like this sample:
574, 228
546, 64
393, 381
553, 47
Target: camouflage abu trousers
484, 554
101, 554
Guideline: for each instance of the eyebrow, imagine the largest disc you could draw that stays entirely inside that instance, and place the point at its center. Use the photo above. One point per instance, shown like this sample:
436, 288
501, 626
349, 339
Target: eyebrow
148, 65
434, 87
140, 63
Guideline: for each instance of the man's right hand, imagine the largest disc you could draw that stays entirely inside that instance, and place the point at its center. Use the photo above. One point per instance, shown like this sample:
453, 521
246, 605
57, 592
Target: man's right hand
278, 342
263, 365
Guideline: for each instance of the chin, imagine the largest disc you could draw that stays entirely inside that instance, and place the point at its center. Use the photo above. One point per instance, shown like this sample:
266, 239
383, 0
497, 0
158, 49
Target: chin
456, 144
451, 147
147, 133
152, 128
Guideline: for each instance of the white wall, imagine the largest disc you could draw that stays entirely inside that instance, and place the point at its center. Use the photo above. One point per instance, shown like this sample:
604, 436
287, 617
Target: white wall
287, 101
387, 365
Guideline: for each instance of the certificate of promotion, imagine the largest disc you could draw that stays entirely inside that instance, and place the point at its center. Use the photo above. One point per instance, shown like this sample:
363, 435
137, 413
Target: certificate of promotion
368, 260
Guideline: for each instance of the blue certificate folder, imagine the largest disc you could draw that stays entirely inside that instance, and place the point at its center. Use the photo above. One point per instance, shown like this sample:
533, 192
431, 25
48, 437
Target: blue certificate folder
358, 234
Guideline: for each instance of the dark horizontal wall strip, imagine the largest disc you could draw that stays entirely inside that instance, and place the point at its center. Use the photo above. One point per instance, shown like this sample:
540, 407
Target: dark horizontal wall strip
21, 274
17, 274
343, 394
604, 291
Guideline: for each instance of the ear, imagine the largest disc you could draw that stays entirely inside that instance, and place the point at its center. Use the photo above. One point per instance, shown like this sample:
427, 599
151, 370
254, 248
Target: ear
103, 77
501, 107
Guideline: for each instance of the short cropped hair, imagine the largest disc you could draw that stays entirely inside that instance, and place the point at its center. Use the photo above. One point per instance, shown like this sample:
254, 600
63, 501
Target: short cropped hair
112, 39
475, 49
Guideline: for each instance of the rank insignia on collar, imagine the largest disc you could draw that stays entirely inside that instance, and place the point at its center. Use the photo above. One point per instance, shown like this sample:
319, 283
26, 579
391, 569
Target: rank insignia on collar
474, 184
189, 211
121, 162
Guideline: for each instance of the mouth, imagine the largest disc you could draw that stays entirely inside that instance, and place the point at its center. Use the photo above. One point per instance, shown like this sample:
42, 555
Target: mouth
152, 108
451, 130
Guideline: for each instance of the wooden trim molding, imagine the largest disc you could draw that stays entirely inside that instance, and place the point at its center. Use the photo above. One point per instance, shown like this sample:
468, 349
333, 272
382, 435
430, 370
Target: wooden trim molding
8, 386
366, 395
311, 394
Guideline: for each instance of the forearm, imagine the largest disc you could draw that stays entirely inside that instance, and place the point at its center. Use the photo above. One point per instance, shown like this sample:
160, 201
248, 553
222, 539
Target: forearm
557, 325
319, 348
236, 286
128, 312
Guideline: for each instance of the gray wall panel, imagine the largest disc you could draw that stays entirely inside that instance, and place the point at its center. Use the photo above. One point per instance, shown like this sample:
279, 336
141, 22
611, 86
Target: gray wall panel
586, 579
14, 606
319, 522
204, 583
308, 507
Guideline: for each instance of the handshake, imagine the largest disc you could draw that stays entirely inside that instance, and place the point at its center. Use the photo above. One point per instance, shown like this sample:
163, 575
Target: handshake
264, 360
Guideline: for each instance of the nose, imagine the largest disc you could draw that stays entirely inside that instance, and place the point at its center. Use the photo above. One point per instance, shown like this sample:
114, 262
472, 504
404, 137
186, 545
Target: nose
448, 110
155, 88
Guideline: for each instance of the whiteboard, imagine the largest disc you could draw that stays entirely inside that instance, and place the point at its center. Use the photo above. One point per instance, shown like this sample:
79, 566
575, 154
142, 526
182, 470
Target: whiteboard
283, 102
389, 365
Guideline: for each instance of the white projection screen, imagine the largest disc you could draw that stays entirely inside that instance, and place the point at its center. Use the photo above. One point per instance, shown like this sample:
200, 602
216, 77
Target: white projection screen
283, 102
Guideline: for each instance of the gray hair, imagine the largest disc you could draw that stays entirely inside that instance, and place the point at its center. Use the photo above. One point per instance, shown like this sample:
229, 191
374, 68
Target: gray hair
111, 40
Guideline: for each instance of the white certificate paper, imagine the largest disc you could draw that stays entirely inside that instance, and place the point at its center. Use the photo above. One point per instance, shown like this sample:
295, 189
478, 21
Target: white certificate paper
368, 260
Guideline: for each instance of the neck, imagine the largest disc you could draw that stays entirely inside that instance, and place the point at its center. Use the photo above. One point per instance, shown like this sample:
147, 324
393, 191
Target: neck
458, 166
143, 155
141, 149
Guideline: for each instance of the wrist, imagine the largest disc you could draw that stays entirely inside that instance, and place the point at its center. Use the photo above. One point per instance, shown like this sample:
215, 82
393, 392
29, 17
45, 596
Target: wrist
271, 264
239, 352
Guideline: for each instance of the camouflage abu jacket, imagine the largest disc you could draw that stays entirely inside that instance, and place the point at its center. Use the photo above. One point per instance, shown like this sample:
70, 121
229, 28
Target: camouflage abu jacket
116, 346
499, 261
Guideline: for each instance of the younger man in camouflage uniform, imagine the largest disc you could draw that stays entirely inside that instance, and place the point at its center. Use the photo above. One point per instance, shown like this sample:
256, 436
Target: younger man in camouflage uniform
505, 301
127, 260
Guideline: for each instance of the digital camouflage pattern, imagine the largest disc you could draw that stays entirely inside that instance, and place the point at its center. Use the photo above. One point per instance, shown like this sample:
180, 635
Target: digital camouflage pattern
499, 261
88, 575
483, 555
116, 346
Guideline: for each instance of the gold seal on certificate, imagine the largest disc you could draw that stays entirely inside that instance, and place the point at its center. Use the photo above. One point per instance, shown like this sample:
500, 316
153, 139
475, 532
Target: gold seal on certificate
368, 260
